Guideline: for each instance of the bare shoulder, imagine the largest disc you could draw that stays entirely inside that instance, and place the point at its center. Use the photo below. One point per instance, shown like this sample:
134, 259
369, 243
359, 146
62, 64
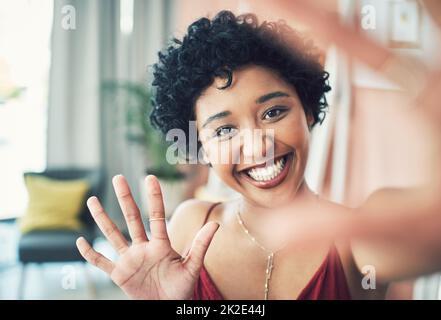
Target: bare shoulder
348, 254
334, 207
395, 198
343, 247
186, 221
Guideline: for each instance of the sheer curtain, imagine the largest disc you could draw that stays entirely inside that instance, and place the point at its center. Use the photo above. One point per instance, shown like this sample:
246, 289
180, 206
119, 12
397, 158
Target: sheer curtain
112, 40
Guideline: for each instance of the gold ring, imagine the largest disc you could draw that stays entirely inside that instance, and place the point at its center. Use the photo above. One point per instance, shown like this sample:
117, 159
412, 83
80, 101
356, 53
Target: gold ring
154, 219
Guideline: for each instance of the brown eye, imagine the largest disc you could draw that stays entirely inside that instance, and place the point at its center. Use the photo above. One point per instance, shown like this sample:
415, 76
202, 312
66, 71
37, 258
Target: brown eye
273, 113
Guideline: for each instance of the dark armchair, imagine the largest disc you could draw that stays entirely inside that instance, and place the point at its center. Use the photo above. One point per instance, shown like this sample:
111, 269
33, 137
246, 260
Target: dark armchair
59, 245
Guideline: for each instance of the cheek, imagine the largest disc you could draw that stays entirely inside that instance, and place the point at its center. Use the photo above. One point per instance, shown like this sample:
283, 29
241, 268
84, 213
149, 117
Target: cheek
294, 132
224, 172
221, 155
225, 153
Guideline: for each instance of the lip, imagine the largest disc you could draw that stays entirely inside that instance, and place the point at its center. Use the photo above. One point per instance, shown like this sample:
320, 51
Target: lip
274, 182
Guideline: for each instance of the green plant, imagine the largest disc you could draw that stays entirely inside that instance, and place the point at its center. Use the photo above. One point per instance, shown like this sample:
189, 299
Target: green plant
135, 100
10, 93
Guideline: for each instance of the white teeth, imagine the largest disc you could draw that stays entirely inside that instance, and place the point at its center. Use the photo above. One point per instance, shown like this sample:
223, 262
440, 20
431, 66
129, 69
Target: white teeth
267, 173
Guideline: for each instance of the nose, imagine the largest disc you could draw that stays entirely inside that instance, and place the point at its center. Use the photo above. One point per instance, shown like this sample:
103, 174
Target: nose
257, 145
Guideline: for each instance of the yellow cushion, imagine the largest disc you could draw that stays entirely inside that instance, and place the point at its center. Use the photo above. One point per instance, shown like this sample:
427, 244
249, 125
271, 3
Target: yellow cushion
53, 204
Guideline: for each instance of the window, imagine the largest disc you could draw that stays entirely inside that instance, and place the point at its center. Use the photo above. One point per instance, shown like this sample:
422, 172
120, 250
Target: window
25, 29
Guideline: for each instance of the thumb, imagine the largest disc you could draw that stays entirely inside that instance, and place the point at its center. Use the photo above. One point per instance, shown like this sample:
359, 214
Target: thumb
195, 258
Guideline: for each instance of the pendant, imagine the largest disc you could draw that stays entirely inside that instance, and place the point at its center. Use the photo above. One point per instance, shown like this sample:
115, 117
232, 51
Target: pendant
269, 269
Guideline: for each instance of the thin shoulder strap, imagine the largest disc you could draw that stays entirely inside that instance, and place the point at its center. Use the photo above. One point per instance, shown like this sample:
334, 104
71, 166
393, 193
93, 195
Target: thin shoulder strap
205, 221
209, 212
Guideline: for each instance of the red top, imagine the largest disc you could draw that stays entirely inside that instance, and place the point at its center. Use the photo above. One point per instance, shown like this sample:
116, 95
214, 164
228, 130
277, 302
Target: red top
328, 282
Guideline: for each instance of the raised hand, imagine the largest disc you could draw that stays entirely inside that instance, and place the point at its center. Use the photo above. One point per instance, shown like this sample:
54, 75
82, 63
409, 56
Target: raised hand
399, 229
146, 268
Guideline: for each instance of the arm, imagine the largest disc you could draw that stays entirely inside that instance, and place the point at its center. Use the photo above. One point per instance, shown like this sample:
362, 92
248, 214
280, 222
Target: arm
403, 242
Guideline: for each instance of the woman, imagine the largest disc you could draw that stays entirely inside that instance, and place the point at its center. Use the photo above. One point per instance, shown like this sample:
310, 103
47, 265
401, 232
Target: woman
233, 76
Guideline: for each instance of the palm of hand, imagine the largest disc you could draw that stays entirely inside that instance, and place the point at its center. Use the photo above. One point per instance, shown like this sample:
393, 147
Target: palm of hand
148, 268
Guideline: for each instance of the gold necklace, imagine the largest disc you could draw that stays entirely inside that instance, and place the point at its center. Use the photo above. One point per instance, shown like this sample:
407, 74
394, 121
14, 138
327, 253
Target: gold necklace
270, 255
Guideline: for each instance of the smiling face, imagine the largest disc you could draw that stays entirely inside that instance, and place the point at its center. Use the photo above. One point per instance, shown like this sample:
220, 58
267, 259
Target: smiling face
267, 169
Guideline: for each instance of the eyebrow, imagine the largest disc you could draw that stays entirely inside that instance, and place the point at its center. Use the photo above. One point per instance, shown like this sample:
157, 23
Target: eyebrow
261, 99
271, 95
219, 115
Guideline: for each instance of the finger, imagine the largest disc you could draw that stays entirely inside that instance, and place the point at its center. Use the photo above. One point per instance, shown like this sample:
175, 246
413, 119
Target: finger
429, 98
328, 27
434, 10
93, 257
106, 225
199, 247
129, 209
156, 209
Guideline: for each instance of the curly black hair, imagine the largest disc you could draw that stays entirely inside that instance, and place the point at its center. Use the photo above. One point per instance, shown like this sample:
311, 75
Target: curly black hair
215, 48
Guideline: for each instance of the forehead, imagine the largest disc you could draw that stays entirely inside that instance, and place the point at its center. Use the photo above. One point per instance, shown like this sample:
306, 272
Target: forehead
248, 84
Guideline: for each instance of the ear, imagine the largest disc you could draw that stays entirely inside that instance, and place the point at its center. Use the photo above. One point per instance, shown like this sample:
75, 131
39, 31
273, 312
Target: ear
205, 156
309, 120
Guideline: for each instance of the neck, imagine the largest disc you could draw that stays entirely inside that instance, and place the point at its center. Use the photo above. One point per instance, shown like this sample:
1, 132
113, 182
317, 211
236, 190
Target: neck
256, 216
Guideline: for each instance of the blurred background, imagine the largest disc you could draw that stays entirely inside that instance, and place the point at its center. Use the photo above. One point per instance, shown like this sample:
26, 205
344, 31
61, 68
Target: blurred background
74, 94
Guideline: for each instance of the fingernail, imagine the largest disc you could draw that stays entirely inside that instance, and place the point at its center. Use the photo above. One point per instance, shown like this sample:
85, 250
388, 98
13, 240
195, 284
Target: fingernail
117, 176
150, 176
93, 204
